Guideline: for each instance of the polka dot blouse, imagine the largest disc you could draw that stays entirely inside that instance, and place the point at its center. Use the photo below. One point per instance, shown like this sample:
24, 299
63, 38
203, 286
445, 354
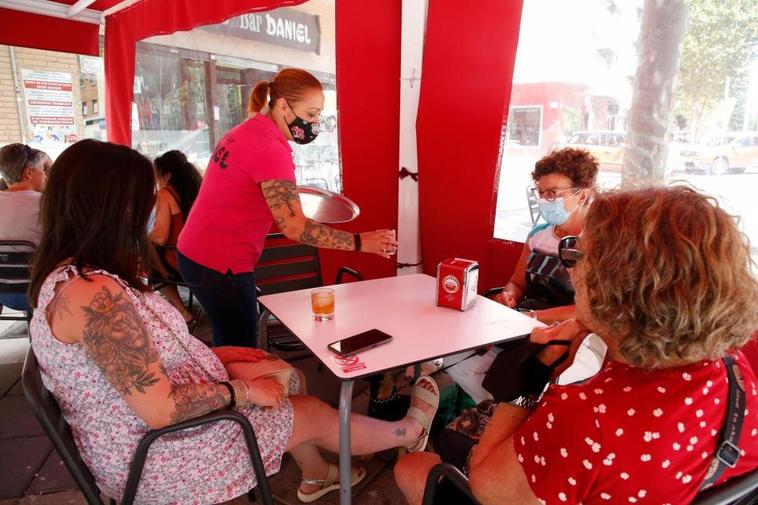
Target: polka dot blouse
629, 435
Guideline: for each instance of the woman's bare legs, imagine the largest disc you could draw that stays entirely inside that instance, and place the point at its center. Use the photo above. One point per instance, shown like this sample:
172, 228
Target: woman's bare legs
317, 423
411, 473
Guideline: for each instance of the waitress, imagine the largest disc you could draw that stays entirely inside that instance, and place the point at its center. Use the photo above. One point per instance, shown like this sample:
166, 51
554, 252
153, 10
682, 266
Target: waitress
249, 184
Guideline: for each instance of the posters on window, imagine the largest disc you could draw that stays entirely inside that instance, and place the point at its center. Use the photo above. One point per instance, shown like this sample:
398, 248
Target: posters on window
49, 101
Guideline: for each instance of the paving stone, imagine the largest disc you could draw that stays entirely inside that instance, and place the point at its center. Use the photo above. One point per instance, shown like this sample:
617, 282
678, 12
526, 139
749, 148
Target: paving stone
22, 458
53, 476
284, 484
17, 419
16, 390
9, 375
13, 350
62, 498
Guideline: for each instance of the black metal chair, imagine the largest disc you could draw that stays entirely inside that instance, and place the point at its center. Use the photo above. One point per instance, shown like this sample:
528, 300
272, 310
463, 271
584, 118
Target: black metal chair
742, 490
15, 256
287, 266
446, 471
534, 205
49, 415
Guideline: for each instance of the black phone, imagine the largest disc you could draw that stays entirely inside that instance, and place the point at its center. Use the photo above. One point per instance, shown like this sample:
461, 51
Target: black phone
358, 343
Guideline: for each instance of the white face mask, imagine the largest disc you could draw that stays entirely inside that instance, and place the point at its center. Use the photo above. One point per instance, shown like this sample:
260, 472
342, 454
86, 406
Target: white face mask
555, 212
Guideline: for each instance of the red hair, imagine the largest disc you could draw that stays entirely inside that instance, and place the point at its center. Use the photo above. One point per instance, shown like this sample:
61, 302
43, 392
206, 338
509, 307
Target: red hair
289, 83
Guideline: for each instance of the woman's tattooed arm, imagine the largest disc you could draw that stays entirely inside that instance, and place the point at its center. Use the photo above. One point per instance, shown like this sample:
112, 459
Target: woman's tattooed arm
284, 202
118, 342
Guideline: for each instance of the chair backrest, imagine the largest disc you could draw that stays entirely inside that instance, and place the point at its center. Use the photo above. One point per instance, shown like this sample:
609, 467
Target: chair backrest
742, 490
534, 205
15, 256
460, 484
49, 415
287, 266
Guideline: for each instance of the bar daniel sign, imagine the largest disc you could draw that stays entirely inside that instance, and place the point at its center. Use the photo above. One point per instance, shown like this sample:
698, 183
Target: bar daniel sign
280, 27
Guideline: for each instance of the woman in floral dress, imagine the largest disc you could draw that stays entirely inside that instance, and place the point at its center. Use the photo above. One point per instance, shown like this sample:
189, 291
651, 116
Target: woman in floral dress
119, 360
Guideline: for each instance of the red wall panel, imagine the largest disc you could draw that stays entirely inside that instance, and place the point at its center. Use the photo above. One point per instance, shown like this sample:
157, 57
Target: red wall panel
469, 56
368, 101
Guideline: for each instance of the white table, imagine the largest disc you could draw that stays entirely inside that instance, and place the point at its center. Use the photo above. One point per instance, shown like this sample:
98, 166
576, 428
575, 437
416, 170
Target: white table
403, 307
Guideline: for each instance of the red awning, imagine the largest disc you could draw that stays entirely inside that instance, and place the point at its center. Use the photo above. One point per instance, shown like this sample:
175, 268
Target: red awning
46, 24
25, 29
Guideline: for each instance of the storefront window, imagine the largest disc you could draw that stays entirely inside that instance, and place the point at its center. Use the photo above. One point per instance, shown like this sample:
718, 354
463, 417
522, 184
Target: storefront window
192, 87
581, 93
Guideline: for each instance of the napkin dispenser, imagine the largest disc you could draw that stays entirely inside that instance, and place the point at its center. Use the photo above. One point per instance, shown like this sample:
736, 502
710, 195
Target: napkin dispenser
457, 283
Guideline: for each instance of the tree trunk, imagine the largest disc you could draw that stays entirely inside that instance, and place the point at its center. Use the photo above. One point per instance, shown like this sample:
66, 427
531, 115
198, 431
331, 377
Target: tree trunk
660, 43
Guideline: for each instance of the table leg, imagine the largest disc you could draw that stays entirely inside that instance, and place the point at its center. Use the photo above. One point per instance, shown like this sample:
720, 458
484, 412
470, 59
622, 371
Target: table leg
346, 398
263, 330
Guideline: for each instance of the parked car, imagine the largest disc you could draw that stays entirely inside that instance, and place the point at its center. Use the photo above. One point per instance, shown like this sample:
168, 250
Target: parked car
730, 153
606, 146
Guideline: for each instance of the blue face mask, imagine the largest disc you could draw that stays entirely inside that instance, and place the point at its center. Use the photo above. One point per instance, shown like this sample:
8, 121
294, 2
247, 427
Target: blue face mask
554, 212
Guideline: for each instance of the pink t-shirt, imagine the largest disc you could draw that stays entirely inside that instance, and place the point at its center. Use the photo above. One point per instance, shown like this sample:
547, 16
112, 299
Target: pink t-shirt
230, 219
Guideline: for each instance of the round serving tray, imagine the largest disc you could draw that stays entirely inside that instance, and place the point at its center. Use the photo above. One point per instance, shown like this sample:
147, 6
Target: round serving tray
326, 206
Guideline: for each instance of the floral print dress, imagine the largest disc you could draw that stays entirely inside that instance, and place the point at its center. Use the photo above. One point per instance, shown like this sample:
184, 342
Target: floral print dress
204, 465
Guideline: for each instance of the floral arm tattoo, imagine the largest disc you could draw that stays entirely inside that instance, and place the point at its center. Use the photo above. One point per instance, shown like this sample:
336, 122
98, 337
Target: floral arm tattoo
284, 202
118, 342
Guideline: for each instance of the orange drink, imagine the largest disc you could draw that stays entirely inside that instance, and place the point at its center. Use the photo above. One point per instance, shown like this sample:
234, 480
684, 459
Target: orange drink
322, 304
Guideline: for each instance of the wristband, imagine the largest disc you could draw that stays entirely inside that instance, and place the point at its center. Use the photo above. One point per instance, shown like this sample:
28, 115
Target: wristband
228, 386
357, 239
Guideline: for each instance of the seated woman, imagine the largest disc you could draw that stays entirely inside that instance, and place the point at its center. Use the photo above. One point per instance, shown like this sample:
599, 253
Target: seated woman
663, 276
540, 285
119, 359
178, 185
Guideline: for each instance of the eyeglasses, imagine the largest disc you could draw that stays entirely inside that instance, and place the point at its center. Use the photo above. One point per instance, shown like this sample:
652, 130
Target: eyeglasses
567, 251
550, 195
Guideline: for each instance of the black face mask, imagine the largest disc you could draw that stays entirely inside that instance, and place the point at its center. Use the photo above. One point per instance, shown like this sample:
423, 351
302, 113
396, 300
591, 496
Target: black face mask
302, 131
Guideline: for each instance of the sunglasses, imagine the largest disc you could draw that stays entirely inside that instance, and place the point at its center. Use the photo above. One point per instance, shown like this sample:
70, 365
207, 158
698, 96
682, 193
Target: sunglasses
567, 251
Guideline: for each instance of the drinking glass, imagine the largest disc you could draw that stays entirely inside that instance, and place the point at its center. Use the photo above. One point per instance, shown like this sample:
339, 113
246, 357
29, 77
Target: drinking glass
322, 304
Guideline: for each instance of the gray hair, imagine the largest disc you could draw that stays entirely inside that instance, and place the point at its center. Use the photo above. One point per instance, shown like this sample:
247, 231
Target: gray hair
14, 158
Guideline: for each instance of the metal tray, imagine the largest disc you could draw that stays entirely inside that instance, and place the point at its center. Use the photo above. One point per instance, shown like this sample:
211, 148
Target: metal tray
326, 206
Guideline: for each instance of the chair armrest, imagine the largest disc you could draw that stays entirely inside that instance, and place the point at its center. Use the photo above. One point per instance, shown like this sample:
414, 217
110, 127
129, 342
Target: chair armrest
347, 270
140, 455
494, 291
451, 473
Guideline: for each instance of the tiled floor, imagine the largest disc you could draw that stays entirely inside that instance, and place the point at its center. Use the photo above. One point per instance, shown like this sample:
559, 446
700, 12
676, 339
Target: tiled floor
31, 471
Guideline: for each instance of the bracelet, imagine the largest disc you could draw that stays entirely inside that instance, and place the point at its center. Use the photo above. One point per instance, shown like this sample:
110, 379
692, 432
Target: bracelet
228, 386
241, 392
357, 239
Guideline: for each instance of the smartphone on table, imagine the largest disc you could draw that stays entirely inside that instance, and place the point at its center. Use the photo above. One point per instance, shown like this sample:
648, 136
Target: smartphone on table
358, 343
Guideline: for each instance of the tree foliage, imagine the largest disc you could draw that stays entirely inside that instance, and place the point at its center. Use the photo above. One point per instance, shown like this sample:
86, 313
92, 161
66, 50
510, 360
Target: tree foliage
717, 46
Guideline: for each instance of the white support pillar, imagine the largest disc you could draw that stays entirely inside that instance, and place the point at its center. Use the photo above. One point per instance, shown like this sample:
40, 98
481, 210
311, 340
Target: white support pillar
413, 28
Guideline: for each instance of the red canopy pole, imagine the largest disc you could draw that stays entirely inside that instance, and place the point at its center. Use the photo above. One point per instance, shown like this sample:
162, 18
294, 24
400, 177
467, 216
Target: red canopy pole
147, 18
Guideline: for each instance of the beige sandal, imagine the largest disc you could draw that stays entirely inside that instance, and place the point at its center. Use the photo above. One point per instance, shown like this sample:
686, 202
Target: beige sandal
330, 483
430, 398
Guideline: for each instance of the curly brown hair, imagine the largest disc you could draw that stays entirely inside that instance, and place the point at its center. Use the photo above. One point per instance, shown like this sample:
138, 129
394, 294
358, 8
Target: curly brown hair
668, 273
576, 164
